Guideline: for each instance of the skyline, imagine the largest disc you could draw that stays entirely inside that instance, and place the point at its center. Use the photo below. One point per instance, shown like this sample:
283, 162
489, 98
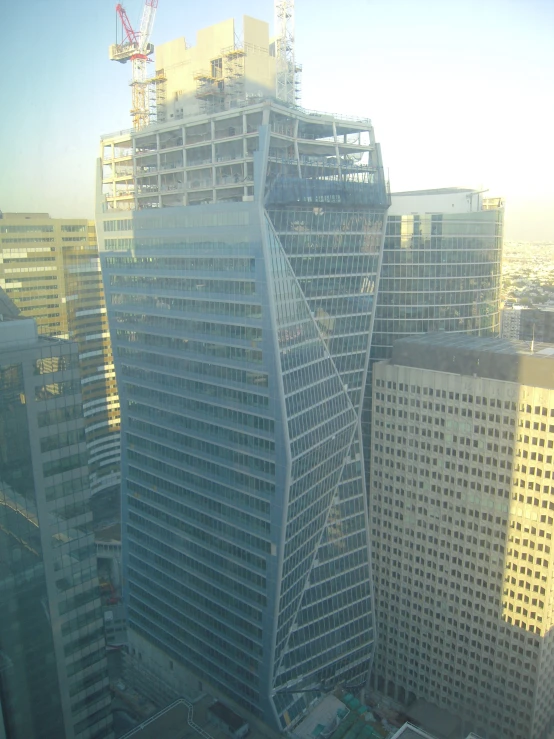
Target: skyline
466, 116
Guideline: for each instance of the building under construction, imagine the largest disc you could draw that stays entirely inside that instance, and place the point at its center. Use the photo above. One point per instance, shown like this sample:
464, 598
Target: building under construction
240, 242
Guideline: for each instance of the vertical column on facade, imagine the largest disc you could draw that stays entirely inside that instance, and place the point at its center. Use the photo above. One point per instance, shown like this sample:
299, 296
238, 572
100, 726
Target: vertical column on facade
243, 163
337, 154
296, 152
212, 135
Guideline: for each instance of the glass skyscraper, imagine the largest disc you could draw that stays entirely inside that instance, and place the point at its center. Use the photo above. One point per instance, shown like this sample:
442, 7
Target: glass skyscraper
241, 330
441, 270
53, 669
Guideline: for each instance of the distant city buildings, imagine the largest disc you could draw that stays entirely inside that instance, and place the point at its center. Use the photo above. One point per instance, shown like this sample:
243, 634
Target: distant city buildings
53, 669
240, 246
50, 268
528, 273
511, 321
528, 324
462, 519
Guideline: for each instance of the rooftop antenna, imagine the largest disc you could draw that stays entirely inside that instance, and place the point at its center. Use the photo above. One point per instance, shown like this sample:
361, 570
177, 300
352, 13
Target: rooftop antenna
285, 64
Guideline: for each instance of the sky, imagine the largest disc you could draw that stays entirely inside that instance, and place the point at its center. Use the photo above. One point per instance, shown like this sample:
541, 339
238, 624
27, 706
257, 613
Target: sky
460, 92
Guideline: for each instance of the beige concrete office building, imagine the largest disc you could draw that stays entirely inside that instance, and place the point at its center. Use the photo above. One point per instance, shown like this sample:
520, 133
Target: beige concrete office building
462, 519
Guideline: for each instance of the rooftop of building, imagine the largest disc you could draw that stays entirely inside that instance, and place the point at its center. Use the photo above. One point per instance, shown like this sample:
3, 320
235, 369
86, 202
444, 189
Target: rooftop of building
436, 191
17, 332
467, 342
347, 123
409, 731
26, 216
29, 216
183, 719
536, 308
8, 310
509, 360
443, 201
170, 723
320, 721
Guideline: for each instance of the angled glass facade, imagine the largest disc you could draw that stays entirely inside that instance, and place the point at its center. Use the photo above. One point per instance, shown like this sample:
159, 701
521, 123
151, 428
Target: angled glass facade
53, 669
241, 334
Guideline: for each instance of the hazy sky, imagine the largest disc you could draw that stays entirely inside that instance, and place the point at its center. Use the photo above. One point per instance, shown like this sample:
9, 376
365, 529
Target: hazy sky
460, 92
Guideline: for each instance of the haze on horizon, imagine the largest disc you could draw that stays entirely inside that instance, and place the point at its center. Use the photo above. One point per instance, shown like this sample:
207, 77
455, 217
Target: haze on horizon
459, 93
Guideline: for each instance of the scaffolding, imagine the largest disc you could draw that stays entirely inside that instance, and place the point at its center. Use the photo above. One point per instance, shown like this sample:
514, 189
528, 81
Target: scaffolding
156, 96
233, 72
210, 90
286, 70
223, 86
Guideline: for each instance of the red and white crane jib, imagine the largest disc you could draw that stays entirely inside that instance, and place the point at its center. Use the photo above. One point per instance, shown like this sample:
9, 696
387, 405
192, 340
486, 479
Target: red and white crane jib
136, 47
131, 37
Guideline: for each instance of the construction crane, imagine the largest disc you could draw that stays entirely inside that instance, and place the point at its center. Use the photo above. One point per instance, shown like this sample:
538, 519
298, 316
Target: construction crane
136, 47
286, 69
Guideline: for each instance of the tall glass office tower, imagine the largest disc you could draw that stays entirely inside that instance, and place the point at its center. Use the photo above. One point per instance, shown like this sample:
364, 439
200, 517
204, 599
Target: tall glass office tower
241, 330
53, 668
441, 266
441, 271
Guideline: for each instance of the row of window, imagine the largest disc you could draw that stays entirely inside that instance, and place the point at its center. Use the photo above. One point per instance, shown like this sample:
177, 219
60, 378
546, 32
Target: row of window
198, 620
197, 264
74, 487
221, 471
176, 564
231, 332
193, 443
199, 559
187, 423
189, 366
242, 310
451, 395
215, 490
321, 219
57, 389
206, 410
194, 387
199, 590
27, 240
173, 343
65, 464
234, 478
118, 244
61, 439
183, 285
178, 530
211, 658
192, 503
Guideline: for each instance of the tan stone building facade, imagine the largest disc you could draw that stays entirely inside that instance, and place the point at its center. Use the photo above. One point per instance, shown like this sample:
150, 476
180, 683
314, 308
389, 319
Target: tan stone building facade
462, 519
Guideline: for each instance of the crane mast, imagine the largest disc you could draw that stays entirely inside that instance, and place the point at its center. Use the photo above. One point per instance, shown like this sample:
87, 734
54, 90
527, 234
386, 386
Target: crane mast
285, 63
136, 48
